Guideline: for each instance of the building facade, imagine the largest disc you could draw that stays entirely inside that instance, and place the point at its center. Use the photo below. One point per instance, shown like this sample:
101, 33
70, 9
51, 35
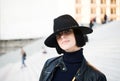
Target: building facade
85, 10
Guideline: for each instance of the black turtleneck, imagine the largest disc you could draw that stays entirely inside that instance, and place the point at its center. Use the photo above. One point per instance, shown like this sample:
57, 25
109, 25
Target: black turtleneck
73, 61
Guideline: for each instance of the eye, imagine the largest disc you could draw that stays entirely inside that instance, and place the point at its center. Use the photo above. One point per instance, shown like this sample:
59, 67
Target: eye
59, 35
65, 32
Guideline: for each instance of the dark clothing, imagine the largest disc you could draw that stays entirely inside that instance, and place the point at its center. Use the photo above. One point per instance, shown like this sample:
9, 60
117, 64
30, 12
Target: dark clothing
67, 66
91, 24
105, 19
72, 61
23, 58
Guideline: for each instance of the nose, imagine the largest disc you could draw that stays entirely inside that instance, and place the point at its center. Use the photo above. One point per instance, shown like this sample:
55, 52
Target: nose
62, 36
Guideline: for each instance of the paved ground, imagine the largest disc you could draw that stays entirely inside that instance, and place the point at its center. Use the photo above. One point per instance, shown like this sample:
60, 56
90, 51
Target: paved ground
102, 51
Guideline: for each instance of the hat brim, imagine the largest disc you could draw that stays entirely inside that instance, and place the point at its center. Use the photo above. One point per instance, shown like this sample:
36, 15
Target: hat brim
51, 40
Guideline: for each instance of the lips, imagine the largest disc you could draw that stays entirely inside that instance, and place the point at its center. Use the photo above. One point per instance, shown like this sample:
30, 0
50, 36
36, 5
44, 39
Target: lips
65, 41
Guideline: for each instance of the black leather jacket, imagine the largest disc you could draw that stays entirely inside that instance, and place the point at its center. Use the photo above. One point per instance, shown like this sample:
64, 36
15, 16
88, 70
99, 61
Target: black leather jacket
85, 73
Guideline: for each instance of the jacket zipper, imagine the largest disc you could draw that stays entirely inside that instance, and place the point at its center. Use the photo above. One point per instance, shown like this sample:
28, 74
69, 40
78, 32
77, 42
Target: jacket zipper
73, 79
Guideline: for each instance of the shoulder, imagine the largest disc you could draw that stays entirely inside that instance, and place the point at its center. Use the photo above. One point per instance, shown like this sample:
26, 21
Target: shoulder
53, 60
95, 73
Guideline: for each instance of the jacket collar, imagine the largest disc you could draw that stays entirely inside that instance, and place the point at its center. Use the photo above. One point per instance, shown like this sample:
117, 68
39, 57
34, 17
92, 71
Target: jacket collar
80, 71
58, 62
61, 64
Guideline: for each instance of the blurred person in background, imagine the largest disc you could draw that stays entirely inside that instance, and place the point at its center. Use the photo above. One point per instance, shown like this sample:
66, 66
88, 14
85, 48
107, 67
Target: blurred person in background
105, 19
68, 39
23, 58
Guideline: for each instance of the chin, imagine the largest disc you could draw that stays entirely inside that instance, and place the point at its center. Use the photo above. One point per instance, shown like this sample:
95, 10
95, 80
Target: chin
66, 48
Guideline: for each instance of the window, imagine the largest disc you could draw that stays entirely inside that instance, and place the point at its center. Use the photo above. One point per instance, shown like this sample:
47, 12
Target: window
78, 10
78, 1
113, 1
113, 10
93, 10
93, 1
103, 1
103, 10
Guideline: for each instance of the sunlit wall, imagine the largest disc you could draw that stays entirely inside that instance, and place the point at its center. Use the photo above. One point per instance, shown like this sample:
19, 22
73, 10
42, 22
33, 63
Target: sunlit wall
30, 18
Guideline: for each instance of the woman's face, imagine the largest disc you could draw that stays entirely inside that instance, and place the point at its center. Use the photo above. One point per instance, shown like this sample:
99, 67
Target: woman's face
66, 40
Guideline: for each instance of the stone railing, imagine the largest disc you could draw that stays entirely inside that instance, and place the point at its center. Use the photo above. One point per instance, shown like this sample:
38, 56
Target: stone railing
9, 45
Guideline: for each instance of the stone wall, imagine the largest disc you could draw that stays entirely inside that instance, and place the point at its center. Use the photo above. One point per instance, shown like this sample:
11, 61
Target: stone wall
10, 45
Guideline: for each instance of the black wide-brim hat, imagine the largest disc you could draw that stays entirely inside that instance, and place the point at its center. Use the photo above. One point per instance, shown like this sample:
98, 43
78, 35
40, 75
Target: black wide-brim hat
62, 23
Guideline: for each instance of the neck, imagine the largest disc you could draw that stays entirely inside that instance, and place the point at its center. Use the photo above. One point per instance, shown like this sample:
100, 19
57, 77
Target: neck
73, 57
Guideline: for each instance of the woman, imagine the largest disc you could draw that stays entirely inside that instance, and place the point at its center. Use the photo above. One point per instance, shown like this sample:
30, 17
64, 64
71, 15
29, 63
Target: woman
68, 39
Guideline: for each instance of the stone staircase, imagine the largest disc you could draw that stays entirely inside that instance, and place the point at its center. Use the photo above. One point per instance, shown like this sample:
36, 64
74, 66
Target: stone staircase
102, 51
